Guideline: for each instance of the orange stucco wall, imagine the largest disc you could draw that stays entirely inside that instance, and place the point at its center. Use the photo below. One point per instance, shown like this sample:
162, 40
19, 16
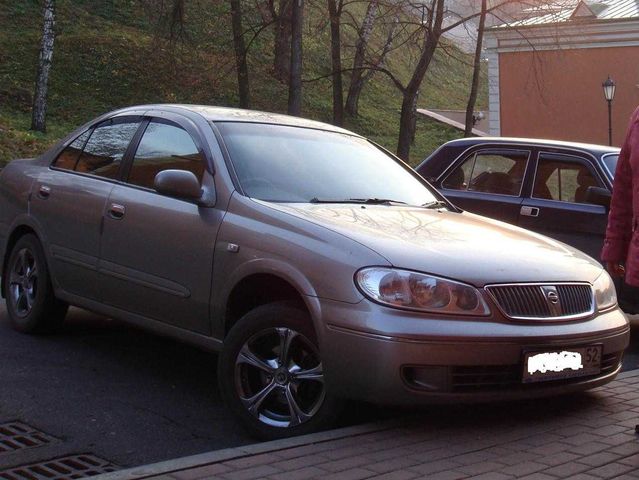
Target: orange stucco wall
558, 95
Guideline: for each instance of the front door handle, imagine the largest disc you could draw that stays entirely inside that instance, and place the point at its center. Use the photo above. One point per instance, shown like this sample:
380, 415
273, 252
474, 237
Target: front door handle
44, 192
529, 211
117, 211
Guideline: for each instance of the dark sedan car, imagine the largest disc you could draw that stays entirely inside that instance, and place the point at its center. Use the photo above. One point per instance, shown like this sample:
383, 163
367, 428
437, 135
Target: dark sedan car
559, 189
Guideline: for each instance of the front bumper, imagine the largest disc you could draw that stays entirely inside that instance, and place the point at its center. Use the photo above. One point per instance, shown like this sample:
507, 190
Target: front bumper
387, 356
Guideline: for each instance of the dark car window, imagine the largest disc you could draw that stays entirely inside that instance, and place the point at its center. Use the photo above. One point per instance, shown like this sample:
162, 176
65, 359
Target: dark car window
105, 148
491, 172
164, 146
69, 156
563, 180
291, 164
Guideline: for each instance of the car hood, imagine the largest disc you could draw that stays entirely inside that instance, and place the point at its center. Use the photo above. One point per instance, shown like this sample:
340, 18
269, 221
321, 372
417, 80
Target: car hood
462, 246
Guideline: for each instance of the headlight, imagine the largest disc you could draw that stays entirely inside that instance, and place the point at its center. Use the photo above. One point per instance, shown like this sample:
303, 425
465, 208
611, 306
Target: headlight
605, 293
418, 291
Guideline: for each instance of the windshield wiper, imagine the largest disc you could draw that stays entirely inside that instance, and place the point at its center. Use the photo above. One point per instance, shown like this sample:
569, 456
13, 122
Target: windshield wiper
365, 201
435, 204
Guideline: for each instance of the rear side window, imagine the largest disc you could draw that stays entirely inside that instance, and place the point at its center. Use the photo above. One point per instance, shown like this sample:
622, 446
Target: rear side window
611, 163
164, 146
105, 148
491, 172
563, 180
69, 156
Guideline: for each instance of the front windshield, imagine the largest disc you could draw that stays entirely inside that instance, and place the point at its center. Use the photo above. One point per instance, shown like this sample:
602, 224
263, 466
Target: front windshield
611, 163
290, 164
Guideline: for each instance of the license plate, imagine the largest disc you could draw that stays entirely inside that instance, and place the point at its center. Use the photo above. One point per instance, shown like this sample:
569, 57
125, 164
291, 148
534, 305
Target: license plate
543, 366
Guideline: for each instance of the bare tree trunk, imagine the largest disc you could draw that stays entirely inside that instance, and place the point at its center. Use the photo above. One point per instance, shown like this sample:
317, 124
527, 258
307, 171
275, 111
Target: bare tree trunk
282, 60
334, 12
431, 40
472, 99
379, 63
240, 54
295, 82
356, 84
38, 118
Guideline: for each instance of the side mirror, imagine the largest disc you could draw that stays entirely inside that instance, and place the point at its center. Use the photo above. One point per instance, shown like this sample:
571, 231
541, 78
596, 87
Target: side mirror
599, 196
178, 183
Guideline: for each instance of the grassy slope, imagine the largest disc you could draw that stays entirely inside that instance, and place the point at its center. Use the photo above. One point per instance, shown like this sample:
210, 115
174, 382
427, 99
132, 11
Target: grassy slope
107, 55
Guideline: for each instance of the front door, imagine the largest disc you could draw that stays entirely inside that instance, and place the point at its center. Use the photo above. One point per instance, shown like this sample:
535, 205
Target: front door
558, 207
157, 251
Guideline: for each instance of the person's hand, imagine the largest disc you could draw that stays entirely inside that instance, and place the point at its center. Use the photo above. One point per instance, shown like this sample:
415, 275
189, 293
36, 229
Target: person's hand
615, 269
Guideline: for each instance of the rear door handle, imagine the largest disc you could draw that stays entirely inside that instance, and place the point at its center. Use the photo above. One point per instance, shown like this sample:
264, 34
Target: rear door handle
44, 192
116, 211
529, 211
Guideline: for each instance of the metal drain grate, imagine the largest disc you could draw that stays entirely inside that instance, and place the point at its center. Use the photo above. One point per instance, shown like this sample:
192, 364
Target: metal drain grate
65, 468
17, 436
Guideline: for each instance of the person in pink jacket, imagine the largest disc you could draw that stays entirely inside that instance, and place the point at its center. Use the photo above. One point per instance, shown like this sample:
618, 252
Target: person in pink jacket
621, 247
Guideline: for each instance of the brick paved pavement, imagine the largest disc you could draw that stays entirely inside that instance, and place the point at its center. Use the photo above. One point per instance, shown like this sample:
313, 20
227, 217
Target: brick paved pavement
587, 436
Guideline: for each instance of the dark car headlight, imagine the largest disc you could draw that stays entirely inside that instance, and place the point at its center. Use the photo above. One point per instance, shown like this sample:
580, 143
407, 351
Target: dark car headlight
420, 291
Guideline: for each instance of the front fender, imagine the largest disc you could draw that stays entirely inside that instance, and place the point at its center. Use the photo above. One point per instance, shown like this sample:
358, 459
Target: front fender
268, 266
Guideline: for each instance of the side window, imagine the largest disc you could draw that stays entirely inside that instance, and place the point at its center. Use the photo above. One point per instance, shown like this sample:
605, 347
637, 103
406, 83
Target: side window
105, 148
164, 146
491, 172
69, 156
562, 180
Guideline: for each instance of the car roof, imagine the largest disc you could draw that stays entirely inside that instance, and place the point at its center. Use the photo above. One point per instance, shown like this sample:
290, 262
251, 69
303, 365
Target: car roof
225, 114
471, 141
437, 162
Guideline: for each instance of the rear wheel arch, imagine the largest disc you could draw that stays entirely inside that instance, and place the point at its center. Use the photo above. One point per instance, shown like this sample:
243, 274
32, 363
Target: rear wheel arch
17, 233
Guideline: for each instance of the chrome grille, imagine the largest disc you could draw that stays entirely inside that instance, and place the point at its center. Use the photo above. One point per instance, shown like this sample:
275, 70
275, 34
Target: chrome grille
533, 301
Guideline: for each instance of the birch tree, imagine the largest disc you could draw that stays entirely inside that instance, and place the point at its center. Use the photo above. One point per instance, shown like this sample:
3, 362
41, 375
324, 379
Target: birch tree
364, 69
38, 117
364, 34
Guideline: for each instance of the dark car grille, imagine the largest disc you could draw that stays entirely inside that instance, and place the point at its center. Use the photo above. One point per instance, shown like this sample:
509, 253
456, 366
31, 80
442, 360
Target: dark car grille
530, 302
491, 378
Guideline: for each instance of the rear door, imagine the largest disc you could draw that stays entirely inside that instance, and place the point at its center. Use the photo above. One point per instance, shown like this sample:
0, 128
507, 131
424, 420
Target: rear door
488, 182
68, 201
157, 251
557, 206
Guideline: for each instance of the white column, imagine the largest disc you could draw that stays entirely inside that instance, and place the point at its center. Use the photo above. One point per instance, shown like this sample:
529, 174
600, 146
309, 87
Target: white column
494, 121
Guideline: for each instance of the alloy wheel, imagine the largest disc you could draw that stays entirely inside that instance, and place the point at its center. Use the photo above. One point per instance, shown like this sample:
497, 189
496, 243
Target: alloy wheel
23, 282
279, 378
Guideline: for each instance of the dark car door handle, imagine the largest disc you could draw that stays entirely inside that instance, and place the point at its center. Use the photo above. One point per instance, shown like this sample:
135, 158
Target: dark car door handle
44, 191
116, 211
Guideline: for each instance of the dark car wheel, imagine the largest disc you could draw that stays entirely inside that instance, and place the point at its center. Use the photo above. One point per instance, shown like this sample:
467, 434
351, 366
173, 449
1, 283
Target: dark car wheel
31, 304
270, 373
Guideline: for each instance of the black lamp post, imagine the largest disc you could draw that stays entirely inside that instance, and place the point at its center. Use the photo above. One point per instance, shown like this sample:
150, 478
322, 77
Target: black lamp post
609, 88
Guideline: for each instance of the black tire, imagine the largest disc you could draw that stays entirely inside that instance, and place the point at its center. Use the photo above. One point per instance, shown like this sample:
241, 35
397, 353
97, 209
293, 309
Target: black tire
31, 304
263, 329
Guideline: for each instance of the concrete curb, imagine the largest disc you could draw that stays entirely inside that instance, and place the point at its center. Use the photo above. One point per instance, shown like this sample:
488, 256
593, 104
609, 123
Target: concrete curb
226, 454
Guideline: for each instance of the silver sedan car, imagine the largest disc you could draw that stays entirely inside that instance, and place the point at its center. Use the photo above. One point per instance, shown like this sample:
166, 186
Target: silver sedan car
320, 266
